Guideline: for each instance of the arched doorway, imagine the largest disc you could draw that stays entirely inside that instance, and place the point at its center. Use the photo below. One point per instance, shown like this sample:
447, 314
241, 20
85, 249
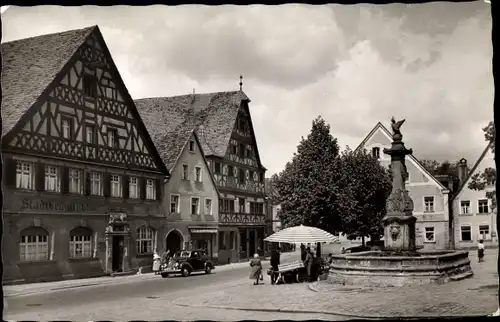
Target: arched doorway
174, 241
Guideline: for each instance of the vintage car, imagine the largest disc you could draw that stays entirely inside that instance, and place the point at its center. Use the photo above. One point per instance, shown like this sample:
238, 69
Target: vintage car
185, 262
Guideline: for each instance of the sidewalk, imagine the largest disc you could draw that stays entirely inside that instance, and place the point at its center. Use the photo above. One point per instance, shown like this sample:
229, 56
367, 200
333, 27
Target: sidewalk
475, 296
35, 288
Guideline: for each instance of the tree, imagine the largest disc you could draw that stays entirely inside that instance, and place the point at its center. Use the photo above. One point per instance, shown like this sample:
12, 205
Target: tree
366, 185
306, 186
442, 168
486, 180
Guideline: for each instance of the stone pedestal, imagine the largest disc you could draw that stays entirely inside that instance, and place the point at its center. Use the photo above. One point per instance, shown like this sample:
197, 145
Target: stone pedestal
399, 233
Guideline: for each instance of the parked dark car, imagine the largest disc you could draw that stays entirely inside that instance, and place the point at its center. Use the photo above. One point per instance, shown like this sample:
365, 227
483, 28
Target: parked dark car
185, 262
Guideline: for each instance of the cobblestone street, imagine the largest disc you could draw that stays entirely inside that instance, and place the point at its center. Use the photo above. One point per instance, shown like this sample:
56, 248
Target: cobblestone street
474, 296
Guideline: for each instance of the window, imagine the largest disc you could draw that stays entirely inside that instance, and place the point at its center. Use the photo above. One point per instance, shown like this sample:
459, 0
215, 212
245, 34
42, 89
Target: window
80, 244
251, 176
232, 243
52, 182
150, 189
24, 175
185, 173
241, 203
90, 134
242, 150
465, 206
429, 234
227, 205
75, 183
66, 127
261, 176
34, 244
95, 184
195, 206
230, 170
174, 204
208, 206
217, 167
133, 188
241, 176
116, 186
234, 149
191, 146
112, 138
376, 152
465, 233
428, 204
484, 232
89, 86
145, 237
197, 174
482, 206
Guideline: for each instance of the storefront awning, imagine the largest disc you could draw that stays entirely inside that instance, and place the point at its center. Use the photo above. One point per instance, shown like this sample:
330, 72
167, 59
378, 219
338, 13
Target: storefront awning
203, 230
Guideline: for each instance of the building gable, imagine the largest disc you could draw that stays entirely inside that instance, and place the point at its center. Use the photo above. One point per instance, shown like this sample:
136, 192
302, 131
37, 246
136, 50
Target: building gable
242, 147
380, 137
485, 160
87, 114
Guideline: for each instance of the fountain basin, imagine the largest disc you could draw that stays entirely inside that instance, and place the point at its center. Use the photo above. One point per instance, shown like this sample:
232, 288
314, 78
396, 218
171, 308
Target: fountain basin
380, 268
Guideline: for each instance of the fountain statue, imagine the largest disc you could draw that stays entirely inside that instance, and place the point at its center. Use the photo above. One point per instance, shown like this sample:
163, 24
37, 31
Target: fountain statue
399, 263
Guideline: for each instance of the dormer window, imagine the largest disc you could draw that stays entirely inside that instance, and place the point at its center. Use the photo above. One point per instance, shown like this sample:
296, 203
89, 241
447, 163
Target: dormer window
191, 146
376, 152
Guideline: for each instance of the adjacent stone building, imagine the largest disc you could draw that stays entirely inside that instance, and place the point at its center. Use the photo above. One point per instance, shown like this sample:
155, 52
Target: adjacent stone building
82, 180
430, 197
224, 128
191, 199
475, 216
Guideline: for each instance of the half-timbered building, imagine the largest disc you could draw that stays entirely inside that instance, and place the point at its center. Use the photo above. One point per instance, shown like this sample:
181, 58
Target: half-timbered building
82, 180
224, 127
191, 198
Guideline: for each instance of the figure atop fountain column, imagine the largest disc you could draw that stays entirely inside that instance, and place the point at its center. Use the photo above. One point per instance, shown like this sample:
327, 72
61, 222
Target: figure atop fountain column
399, 223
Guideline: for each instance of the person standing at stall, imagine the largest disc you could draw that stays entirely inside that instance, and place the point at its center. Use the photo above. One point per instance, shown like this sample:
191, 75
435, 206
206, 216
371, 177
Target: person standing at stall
303, 252
275, 262
308, 263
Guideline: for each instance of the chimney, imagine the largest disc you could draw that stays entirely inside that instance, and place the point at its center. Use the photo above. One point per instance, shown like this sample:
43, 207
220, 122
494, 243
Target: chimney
462, 170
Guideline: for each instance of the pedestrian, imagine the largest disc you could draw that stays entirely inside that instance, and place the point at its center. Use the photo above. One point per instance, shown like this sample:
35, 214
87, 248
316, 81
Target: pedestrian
275, 262
480, 250
303, 252
308, 263
256, 266
156, 263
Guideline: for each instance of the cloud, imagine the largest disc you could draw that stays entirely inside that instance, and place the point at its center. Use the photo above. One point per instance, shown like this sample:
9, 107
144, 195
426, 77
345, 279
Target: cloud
355, 65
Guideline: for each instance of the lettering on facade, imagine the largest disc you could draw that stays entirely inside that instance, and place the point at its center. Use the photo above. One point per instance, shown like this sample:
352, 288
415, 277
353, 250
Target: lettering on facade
28, 204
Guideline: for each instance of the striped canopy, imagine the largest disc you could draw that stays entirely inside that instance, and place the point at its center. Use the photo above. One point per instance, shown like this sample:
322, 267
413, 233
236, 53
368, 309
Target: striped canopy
301, 234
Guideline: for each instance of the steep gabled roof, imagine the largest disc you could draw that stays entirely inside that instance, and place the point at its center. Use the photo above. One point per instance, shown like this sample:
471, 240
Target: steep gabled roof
213, 115
473, 170
385, 131
30, 65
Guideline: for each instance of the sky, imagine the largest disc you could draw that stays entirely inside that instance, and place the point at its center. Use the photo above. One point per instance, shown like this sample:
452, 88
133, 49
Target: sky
354, 65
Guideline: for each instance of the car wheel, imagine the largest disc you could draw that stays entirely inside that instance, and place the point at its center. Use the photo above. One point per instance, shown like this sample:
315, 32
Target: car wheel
164, 275
208, 270
185, 272
299, 277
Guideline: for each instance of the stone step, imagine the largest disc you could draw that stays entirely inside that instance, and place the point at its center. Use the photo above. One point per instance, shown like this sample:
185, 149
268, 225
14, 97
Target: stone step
461, 276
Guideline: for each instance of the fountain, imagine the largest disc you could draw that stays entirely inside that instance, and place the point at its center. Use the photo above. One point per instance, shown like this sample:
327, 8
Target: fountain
399, 262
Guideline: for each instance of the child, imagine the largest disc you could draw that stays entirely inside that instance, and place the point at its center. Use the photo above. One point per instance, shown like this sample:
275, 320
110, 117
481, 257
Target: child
480, 250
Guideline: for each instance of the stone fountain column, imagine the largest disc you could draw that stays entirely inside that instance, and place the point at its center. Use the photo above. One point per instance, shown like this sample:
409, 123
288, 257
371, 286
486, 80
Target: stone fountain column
399, 223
